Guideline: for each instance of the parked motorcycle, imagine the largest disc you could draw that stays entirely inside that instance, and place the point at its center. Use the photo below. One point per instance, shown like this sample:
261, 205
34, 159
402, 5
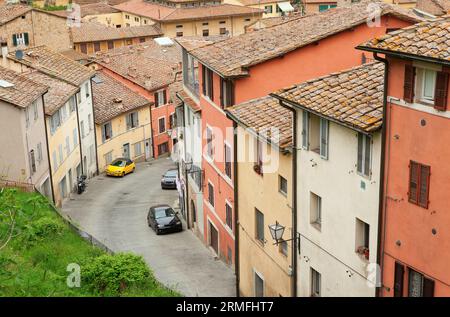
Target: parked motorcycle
81, 184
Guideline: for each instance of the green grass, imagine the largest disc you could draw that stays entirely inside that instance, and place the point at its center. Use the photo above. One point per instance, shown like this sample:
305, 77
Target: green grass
35, 260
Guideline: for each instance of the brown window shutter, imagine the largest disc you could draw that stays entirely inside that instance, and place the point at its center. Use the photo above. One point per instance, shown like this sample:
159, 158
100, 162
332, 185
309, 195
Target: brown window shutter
413, 182
204, 79
398, 279
408, 88
231, 92
164, 96
441, 91
155, 95
428, 287
222, 82
211, 84
424, 185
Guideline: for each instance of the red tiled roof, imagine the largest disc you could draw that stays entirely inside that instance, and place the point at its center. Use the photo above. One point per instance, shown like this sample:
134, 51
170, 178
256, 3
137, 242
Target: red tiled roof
9, 12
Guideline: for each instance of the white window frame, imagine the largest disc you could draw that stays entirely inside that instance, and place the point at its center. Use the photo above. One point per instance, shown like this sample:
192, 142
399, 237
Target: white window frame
363, 155
256, 273
313, 282
159, 125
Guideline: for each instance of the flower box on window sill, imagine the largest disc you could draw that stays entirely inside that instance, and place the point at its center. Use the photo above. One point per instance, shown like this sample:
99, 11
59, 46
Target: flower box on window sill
258, 169
363, 251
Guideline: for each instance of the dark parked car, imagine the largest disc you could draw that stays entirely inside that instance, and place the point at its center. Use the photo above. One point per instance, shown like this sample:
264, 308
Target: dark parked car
169, 179
162, 218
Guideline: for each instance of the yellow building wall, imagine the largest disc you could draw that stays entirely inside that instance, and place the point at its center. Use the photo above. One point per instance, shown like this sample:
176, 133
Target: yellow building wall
109, 19
41, 3
104, 44
71, 161
121, 136
262, 6
261, 192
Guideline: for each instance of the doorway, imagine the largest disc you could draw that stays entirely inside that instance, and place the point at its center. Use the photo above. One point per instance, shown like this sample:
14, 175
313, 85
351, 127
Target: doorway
126, 150
214, 238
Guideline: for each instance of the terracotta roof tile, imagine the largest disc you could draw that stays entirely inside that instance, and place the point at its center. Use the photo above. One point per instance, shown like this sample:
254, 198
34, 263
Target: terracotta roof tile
158, 12
263, 114
184, 97
59, 91
428, 39
353, 97
54, 64
112, 98
192, 42
232, 56
149, 65
97, 8
9, 12
23, 92
93, 31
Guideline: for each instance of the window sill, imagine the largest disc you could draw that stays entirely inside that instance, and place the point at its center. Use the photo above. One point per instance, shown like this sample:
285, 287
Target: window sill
283, 193
317, 226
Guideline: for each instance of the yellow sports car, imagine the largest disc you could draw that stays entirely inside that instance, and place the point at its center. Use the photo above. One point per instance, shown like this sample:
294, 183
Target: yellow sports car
120, 167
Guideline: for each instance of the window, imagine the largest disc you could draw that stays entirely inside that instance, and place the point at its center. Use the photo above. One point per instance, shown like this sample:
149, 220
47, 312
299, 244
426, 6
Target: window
226, 93
315, 283
75, 137
207, 82
20, 39
316, 210
283, 248
106, 131
419, 184
72, 104
278, 9
128, 41
132, 120
161, 125
96, 46
317, 135
364, 154
127, 16
141, 39
60, 151
171, 120
282, 185
108, 158
83, 48
179, 26
67, 145
160, 98
362, 238
229, 215
305, 129
259, 285
211, 194
55, 160
325, 7
27, 117
205, 23
222, 22
137, 149
205, 32
209, 142
419, 286
110, 45
268, 9
39, 152
145, 21
35, 110
259, 226
258, 167
82, 129
90, 122
223, 31
136, 19
179, 34
228, 160
86, 90
399, 271
92, 158
32, 162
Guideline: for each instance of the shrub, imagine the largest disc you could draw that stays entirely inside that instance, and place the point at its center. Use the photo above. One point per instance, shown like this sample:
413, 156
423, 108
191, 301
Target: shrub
42, 228
112, 274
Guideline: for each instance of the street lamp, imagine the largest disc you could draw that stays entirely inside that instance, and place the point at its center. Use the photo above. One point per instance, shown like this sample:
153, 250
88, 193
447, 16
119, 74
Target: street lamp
276, 231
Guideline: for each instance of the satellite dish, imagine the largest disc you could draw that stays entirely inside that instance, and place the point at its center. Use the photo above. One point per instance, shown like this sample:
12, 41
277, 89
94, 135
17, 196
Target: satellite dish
19, 54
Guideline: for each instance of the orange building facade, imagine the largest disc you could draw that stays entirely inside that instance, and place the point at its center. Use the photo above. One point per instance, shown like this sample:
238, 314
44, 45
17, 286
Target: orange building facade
332, 52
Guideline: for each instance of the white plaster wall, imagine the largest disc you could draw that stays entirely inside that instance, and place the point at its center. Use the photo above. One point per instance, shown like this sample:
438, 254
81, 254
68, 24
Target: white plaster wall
337, 182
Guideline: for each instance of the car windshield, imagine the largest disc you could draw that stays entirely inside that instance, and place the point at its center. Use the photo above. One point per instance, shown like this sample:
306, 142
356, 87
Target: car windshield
162, 212
119, 163
171, 174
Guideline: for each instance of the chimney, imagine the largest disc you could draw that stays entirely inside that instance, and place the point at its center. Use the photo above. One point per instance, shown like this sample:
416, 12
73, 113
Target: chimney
4, 52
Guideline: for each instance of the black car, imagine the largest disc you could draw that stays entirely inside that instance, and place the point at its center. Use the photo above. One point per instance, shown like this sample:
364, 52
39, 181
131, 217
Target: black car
169, 179
162, 218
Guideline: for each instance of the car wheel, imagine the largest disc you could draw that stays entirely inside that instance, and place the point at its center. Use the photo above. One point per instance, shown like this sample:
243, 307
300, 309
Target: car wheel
123, 174
158, 232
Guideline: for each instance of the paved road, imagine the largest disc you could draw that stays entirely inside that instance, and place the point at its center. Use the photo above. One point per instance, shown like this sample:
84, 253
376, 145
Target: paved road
114, 211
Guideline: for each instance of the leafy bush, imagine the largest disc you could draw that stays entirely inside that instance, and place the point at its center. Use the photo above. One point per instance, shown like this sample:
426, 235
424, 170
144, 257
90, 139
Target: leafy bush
112, 274
42, 228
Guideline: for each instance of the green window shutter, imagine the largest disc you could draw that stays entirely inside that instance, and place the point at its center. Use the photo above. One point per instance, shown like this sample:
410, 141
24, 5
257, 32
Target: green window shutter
26, 38
14, 40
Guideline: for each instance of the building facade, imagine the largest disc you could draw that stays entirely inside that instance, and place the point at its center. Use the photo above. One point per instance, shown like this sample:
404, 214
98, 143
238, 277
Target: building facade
415, 182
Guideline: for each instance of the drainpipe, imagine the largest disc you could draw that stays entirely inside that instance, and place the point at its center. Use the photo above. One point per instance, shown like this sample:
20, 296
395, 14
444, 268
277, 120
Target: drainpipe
236, 208
48, 152
79, 132
95, 129
186, 175
382, 190
294, 199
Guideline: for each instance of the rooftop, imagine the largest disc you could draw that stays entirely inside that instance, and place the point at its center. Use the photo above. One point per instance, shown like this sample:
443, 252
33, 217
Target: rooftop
263, 114
58, 94
148, 64
22, 91
256, 2
54, 64
9, 12
112, 98
429, 39
351, 97
232, 57
93, 31
163, 13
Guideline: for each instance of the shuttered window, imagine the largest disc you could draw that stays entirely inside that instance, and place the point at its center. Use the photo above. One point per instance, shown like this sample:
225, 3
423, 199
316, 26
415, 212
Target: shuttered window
211, 194
364, 154
408, 88
228, 160
398, 279
259, 225
419, 285
226, 93
207, 82
324, 138
305, 129
106, 131
419, 184
441, 91
132, 120
160, 98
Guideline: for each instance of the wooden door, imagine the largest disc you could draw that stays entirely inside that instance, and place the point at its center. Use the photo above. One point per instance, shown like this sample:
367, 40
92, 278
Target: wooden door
214, 238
